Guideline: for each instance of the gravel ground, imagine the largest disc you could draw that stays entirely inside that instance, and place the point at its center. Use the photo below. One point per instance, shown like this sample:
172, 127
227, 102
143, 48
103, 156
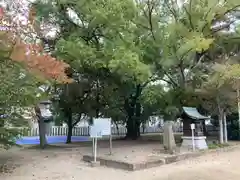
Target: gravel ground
66, 164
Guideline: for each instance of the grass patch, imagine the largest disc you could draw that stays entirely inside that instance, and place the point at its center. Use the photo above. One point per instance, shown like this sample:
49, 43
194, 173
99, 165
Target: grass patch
216, 146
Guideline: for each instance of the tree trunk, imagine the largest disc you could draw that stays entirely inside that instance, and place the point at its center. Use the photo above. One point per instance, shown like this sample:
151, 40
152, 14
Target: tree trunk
69, 134
238, 102
70, 128
133, 109
41, 127
137, 117
42, 133
132, 129
220, 119
225, 127
144, 127
133, 121
132, 125
117, 129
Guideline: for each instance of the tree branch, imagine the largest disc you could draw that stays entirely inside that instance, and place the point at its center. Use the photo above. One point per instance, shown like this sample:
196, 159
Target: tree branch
153, 78
171, 79
172, 11
182, 73
150, 10
79, 119
189, 15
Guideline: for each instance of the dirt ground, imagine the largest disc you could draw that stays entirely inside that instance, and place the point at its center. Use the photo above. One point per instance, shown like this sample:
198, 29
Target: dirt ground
65, 164
131, 152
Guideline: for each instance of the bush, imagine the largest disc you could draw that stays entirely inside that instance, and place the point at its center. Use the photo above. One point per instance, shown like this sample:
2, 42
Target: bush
215, 146
233, 130
8, 137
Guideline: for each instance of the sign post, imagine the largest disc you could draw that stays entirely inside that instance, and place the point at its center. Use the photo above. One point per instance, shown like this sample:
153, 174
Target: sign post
110, 144
95, 133
93, 144
95, 150
101, 127
193, 142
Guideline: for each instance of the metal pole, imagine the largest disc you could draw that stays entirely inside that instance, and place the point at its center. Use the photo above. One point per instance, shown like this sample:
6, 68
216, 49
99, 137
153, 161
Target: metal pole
193, 142
110, 144
110, 138
95, 150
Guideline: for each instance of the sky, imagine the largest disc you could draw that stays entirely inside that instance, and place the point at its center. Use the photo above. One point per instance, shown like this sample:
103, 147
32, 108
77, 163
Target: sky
20, 7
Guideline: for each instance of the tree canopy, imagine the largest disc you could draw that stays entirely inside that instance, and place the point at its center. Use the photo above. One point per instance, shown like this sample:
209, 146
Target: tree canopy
123, 48
126, 59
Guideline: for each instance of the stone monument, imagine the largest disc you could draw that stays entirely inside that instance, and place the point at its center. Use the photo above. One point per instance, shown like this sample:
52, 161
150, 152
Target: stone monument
168, 138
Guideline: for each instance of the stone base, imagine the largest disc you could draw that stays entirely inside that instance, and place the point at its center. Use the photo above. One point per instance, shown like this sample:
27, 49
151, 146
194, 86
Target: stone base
95, 164
125, 165
135, 166
200, 142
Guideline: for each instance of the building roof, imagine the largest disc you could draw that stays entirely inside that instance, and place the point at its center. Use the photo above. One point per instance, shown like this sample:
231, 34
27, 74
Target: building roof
193, 113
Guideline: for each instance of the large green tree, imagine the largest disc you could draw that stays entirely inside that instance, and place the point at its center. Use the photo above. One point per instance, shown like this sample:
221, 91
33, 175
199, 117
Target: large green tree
129, 44
104, 41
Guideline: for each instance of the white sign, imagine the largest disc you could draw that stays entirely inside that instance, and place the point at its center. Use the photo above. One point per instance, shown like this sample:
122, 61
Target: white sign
101, 127
94, 132
192, 126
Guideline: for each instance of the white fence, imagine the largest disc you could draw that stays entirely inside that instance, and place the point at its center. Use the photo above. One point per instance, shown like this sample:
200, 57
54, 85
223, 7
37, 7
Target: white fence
84, 131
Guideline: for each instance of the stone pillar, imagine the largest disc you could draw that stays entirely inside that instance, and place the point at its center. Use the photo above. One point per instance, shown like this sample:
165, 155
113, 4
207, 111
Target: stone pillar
168, 137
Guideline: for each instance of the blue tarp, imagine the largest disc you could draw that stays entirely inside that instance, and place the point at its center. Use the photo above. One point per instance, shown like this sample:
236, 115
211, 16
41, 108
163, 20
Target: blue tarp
50, 139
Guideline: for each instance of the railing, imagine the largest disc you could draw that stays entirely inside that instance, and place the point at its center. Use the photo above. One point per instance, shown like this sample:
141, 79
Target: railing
84, 131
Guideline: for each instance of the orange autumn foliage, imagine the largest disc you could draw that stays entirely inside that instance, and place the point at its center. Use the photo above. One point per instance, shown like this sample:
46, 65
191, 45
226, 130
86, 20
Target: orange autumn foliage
32, 56
41, 63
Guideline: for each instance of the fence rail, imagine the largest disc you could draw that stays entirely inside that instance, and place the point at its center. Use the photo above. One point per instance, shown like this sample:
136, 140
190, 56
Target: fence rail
84, 131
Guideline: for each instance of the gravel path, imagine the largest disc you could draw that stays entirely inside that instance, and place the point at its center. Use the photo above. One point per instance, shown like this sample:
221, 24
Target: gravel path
67, 165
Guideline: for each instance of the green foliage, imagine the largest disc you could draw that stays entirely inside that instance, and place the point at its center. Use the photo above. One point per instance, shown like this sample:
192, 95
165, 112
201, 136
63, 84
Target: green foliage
217, 146
18, 91
215, 93
231, 74
72, 101
193, 34
157, 101
233, 128
122, 46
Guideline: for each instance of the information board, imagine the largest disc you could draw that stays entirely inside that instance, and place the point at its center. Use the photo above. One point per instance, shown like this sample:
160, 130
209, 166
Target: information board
101, 127
94, 132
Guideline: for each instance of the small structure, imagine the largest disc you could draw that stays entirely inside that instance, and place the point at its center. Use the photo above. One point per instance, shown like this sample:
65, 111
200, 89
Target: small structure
191, 115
